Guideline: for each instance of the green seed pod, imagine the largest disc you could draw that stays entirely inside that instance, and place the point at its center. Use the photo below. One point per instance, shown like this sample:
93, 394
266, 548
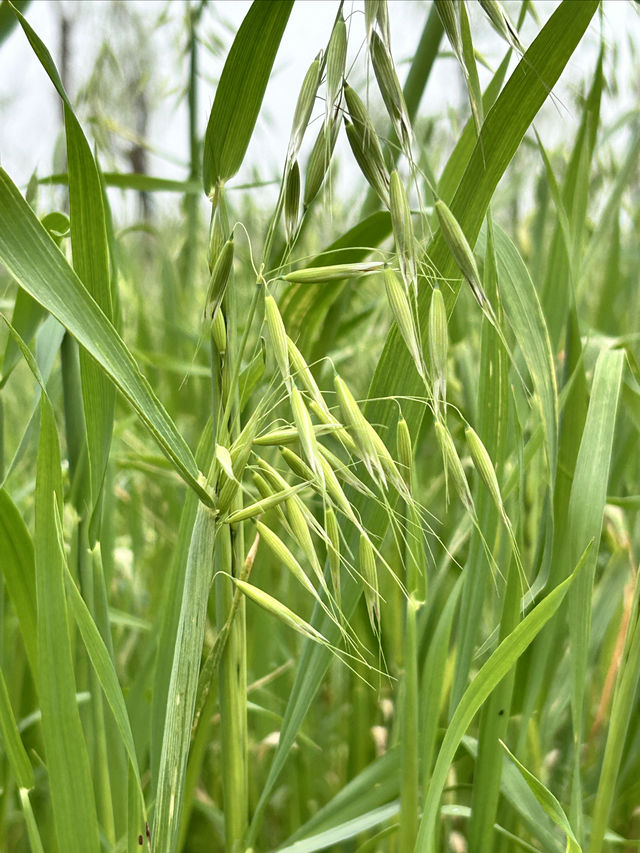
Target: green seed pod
216, 239
223, 458
219, 279
390, 88
297, 465
320, 157
304, 107
403, 230
336, 60
300, 531
372, 449
382, 16
277, 336
264, 489
263, 505
484, 467
502, 23
454, 466
415, 555
344, 472
461, 250
405, 451
448, 13
335, 490
370, 582
336, 272
219, 333
286, 435
304, 427
276, 608
386, 461
366, 145
289, 435
360, 429
438, 345
302, 372
338, 430
292, 200
274, 477
366, 156
333, 548
239, 455
370, 14
399, 304
267, 487
280, 550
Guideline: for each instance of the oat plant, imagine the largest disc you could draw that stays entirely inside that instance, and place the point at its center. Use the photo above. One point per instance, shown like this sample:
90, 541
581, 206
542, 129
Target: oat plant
318, 526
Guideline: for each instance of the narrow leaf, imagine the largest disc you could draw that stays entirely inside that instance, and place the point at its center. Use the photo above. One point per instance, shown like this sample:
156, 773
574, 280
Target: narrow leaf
241, 88
548, 802
18, 569
91, 263
12, 742
491, 674
70, 782
38, 266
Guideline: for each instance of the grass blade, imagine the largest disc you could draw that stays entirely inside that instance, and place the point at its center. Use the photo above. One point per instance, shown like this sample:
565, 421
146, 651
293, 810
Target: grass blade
105, 671
38, 266
523, 310
12, 742
493, 671
586, 509
240, 91
622, 711
18, 569
70, 783
91, 263
181, 697
548, 802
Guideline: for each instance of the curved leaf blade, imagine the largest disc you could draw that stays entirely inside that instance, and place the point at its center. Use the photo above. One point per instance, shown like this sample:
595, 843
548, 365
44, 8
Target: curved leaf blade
524, 312
491, 674
34, 260
91, 263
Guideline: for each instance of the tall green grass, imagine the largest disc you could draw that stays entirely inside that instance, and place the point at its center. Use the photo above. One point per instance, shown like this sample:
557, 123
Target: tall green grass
318, 529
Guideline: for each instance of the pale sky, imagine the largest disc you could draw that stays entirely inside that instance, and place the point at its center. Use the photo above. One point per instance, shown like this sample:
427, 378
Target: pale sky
30, 108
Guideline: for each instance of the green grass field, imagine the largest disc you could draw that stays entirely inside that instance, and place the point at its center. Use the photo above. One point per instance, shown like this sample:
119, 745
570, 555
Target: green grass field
319, 520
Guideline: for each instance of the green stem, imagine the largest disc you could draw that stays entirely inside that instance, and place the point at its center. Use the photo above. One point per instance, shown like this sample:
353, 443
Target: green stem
191, 200
233, 673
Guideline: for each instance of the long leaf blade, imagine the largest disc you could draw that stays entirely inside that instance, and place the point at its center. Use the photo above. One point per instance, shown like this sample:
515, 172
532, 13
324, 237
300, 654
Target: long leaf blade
91, 263
493, 671
70, 782
38, 266
241, 89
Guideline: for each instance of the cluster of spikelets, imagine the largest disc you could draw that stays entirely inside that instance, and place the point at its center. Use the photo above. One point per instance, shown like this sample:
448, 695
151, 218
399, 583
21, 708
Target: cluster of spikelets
314, 426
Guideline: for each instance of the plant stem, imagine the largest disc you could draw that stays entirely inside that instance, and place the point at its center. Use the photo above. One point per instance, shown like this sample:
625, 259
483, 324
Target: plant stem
233, 667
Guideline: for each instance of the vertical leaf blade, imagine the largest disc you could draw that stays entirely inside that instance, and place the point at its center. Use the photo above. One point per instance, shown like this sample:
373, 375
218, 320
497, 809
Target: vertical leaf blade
18, 569
241, 89
181, 697
70, 783
91, 263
